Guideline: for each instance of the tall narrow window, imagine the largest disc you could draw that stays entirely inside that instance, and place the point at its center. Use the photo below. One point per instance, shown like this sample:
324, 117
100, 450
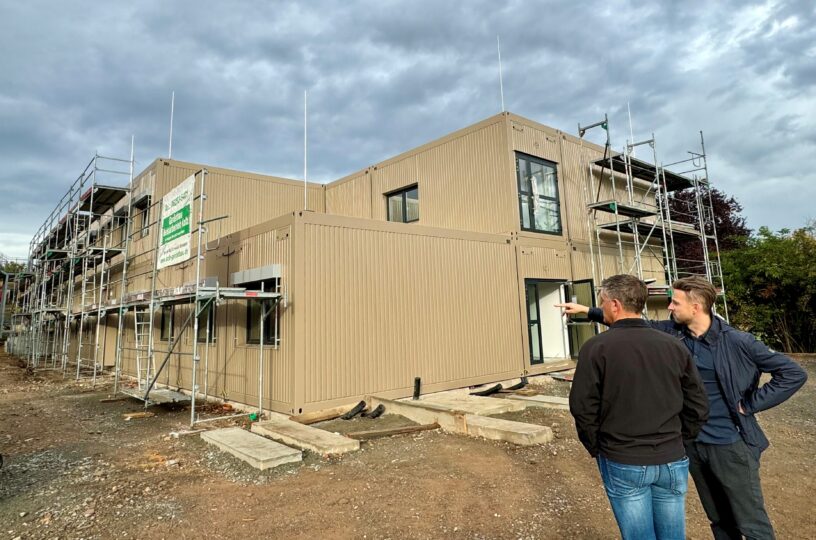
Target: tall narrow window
254, 310
206, 322
403, 205
166, 323
141, 209
538, 194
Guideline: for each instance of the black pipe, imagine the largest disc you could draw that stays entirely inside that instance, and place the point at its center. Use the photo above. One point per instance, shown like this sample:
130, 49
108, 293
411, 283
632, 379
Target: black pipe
417, 383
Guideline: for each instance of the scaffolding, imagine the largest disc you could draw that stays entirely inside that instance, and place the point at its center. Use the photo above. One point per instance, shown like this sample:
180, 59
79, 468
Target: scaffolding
77, 241
202, 295
82, 273
631, 207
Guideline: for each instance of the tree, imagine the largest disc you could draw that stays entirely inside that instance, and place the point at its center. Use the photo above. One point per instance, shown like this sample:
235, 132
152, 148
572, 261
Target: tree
772, 287
731, 227
9, 265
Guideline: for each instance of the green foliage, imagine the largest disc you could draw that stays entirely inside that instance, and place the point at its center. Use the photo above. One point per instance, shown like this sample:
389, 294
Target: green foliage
771, 287
10, 266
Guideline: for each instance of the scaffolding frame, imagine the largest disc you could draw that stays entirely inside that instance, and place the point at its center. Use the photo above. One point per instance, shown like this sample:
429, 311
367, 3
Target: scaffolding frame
202, 294
646, 222
74, 242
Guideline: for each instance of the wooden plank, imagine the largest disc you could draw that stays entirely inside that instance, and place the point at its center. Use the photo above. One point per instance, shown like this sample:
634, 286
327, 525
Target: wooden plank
519, 392
131, 416
322, 415
374, 433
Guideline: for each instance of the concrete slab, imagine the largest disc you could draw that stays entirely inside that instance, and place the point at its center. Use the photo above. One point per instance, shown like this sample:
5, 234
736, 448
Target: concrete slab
424, 412
258, 451
550, 402
507, 430
306, 437
483, 406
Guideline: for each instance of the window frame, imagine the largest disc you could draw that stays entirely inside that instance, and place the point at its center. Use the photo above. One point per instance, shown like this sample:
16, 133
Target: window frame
143, 207
269, 329
167, 311
402, 192
202, 328
270, 339
530, 195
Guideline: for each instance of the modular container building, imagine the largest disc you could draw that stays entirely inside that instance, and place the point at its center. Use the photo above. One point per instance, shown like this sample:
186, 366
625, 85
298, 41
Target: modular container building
442, 263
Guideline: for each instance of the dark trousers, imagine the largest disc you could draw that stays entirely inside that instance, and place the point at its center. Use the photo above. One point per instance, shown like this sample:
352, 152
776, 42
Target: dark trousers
727, 480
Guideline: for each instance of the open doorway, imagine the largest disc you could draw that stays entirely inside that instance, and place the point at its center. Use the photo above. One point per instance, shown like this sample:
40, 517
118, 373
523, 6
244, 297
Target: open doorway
551, 336
547, 333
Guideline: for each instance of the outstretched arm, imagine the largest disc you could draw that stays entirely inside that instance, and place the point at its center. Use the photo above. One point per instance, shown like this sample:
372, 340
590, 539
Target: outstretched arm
593, 314
571, 308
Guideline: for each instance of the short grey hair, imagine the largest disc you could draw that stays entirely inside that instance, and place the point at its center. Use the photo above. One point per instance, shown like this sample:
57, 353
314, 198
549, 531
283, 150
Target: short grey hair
626, 289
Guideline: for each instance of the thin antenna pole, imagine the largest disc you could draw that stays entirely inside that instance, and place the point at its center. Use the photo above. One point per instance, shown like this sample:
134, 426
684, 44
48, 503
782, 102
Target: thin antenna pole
172, 107
305, 135
631, 135
501, 83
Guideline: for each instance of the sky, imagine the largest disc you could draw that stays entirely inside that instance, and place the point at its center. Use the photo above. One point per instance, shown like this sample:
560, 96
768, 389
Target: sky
384, 77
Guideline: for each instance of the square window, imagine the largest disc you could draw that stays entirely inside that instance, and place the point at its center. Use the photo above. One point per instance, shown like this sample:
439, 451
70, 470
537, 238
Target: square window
402, 206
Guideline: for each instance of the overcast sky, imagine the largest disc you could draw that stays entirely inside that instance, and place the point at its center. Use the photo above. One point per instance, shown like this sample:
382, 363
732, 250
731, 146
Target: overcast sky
384, 77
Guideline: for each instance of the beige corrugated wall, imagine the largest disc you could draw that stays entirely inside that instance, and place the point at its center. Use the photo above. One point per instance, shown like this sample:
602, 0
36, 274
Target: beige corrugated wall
384, 303
248, 199
350, 196
466, 182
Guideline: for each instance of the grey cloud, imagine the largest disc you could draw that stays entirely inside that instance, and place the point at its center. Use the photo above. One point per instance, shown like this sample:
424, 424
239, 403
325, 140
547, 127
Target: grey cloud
385, 78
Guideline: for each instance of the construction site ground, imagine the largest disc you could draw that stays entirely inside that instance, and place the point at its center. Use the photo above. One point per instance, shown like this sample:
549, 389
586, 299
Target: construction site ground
75, 468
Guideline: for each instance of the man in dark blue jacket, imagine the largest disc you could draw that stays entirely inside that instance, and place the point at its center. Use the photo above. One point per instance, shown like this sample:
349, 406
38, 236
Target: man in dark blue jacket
724, 459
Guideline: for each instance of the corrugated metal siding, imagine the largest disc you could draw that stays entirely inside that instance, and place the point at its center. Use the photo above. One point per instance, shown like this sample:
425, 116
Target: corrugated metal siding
465, 183
350, 197
540, 142
573, 178
543, 263
248, 199
385, 306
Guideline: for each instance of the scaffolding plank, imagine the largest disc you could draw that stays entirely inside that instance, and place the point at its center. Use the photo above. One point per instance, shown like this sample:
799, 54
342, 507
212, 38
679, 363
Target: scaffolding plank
158, 396
622, 209
646, 171
104, 198
646, 228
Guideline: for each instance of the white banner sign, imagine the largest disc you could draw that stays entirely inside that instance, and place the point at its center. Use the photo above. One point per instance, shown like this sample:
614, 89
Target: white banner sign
174, 234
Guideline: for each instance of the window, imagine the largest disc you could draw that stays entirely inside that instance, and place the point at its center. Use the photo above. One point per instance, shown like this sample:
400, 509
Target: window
206, 320
403, 205
166, 323
538, 194
142, 216
271, 326
256, 307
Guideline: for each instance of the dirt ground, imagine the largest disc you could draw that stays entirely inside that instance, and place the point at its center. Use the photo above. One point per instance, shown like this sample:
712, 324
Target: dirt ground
74, 468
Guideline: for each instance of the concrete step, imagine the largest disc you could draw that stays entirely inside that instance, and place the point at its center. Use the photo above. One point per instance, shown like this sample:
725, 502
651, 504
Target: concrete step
258, 451
306, 437
480, 405
550, 402
507, 430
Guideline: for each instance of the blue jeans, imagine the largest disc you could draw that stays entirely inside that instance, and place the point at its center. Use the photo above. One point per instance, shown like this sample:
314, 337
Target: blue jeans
649, 501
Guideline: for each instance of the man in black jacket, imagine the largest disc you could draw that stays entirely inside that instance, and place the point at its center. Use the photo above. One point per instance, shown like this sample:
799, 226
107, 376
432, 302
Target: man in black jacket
635, 396
725, 456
